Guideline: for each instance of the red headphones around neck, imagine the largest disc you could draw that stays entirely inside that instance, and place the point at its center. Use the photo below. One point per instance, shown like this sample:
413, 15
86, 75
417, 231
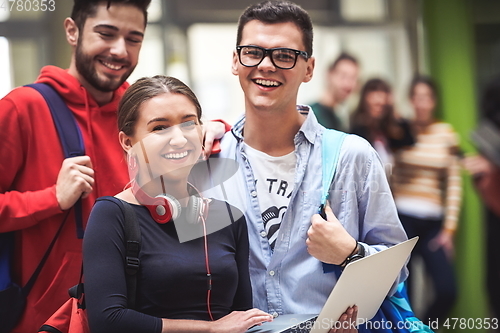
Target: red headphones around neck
165, 207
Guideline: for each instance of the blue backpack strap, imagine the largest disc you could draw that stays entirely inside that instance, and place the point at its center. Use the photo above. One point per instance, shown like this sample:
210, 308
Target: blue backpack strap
69, 133
64, 120
6, 251
331, 144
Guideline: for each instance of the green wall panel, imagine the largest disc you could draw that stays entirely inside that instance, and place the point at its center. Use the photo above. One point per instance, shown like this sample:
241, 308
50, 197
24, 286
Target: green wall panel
449, 34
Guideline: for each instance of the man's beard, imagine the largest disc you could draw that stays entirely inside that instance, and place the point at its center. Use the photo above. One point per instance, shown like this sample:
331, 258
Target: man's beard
85, 66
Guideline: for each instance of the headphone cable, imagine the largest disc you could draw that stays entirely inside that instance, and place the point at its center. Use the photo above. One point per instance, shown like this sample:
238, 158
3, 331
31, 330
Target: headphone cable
209, 275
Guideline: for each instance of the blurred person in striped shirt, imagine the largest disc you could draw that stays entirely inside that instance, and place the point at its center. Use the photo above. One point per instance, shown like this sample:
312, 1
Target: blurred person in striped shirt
427, 188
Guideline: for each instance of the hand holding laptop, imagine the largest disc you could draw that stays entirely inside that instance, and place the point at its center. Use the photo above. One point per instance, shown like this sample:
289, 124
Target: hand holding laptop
329, 242
347, 322
353, 290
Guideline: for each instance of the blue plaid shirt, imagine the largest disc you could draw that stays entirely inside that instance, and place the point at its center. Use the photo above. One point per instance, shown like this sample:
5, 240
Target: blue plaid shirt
288, 279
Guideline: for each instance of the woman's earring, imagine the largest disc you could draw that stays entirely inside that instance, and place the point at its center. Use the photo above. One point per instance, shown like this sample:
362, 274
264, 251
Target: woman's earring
202, 154
133, 166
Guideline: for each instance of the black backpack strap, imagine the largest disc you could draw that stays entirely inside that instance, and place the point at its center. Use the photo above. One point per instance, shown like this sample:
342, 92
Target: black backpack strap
29, 285
133, 247
133, 241
69, 133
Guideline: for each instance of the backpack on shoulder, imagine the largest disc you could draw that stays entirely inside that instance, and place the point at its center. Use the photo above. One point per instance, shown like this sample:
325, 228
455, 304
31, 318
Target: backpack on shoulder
12, 296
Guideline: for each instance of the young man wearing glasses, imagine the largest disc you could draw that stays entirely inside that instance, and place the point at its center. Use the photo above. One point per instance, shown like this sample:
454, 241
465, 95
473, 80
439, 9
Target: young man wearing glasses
277, 145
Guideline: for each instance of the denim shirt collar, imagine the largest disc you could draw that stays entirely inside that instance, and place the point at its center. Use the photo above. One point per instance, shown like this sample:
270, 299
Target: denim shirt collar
309, 130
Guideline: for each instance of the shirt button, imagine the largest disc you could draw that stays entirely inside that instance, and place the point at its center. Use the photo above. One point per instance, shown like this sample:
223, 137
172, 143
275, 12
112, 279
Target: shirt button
263, 233
271, 273
275, 314
253, 193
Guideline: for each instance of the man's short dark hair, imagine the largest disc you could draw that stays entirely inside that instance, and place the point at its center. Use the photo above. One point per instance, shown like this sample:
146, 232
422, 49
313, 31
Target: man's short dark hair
343, 56
83, 9
271, 12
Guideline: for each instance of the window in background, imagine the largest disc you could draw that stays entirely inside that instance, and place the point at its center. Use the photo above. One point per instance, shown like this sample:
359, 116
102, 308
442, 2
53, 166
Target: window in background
25, 60
155, 11
152, 55
363, 10
4, 15
211, 51
6, 80
177, 61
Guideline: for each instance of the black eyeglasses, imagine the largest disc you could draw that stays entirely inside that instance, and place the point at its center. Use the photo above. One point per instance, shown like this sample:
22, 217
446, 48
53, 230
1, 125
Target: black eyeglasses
281, 57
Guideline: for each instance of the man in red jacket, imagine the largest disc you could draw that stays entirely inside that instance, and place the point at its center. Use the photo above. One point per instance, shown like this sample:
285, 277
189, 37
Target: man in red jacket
37, 185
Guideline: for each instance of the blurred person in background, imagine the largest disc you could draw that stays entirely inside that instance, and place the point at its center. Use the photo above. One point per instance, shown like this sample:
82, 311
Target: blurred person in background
341, 81
487, 182
375, 120
427, 188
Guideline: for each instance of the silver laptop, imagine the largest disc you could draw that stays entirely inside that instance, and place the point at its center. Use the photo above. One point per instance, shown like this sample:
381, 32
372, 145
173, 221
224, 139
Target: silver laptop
364, 283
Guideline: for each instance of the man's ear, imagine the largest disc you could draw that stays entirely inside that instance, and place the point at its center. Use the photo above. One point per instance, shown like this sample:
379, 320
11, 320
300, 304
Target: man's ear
125, 141
234, 65
72, 31
310, 69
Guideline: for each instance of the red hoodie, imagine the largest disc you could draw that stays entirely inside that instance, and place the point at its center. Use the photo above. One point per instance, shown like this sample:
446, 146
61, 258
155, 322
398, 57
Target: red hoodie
31, 156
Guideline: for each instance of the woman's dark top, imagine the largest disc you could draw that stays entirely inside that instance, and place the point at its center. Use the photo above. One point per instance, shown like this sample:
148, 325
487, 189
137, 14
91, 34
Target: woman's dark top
405, 139
172, 278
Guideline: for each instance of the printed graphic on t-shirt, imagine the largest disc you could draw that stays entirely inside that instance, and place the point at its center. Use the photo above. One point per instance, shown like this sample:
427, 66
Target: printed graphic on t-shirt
274, 179
272, 218
273, 215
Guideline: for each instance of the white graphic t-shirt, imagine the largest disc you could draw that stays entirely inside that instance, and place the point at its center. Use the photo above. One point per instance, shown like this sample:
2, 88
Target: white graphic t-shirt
274, 180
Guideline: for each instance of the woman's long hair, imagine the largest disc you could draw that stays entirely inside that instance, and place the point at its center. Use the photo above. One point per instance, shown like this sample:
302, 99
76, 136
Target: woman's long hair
387, 125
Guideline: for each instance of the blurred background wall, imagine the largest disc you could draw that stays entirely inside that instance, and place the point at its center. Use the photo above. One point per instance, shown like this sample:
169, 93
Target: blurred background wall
457, 42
